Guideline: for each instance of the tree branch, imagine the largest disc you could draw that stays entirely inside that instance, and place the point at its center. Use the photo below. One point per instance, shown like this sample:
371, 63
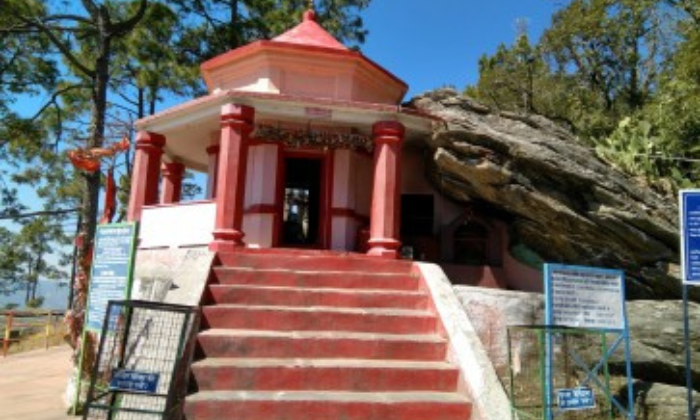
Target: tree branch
63, 48
38, 213
122, 107
74, 18
92, 9
127, 25
55, 96
126, 98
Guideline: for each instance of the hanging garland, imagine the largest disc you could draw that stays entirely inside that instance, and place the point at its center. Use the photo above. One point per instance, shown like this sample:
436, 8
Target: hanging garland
310, 138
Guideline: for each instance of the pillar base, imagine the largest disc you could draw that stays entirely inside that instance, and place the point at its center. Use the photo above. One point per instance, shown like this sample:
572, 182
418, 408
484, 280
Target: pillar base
384, 248
227, 241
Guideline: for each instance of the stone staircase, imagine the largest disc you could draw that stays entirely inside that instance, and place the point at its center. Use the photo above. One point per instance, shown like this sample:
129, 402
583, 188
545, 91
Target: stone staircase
314, 335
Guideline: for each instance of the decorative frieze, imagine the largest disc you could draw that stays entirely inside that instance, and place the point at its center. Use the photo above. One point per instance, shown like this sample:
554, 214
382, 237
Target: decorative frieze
317, 138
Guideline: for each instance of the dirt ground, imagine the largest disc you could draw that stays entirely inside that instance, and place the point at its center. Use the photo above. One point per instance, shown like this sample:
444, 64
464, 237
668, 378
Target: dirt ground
32, 384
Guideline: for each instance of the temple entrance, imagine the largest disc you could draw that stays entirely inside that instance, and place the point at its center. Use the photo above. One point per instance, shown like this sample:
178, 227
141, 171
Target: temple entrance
301, 220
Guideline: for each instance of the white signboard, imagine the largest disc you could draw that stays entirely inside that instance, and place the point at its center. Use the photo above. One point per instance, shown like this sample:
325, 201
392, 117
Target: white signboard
584, 297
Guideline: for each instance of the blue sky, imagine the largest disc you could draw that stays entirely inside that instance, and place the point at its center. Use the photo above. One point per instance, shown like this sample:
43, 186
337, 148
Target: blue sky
430, 44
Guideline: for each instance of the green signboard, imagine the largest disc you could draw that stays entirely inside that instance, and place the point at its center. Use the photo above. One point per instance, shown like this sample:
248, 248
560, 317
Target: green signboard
112, 270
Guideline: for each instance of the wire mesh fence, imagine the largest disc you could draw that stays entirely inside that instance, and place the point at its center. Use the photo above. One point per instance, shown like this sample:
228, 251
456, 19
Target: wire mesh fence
141, 367
578, 363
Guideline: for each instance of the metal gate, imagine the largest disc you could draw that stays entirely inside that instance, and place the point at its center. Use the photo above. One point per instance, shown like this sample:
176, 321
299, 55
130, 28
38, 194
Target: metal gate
578, 362
142, 364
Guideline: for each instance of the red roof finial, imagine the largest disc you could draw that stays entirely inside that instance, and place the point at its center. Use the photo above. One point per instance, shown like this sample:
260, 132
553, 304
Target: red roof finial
310, 15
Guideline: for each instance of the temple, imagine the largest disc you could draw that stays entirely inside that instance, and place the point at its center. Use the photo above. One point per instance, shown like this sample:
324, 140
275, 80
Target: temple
305, 145
310, 257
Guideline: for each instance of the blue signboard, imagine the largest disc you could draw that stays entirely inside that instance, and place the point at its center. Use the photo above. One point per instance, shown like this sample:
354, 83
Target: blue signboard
690, 235
576, 399
133, 381
111, 270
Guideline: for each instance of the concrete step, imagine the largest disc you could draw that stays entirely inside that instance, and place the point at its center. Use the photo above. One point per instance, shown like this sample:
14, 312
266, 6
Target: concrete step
362, 375
312, 260
305, 405
319, 318
298, 296
316, 279
320, 344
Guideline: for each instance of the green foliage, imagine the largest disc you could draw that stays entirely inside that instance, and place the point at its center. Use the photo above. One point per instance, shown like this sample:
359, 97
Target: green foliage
623, 74
35, 303
220, 25
637, 150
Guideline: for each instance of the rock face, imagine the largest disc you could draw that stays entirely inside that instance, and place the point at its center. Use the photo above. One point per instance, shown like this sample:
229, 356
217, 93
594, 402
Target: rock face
558, 198
661, 402
656, 328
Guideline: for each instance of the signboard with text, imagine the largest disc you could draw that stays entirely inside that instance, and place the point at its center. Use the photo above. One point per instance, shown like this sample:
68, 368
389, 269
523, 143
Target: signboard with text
689, 205
112, 267
575, 399
130, 380
584, 297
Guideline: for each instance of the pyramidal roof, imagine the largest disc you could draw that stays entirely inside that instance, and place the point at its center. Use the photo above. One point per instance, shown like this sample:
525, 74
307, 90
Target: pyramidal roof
281, 66
310, 33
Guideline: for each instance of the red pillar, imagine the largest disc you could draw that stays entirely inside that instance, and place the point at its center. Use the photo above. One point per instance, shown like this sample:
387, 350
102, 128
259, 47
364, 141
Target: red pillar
145, 174
385, 214
172, 182
213, 167
236, 126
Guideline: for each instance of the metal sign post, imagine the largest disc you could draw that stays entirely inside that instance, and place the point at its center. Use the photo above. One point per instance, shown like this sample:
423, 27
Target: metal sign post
591, 299
689, 208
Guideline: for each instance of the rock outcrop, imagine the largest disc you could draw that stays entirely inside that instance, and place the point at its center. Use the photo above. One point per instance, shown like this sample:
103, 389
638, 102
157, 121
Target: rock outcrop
558, 198
656, 329
661, 402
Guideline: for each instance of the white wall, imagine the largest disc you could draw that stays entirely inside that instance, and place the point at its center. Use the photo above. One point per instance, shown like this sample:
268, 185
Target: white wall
171, 226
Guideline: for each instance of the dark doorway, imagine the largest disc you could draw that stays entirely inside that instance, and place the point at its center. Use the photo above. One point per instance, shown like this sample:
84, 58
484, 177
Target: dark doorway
302, 202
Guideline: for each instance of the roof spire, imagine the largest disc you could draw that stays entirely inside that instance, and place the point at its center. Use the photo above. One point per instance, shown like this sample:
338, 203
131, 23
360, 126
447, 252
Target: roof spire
310, 13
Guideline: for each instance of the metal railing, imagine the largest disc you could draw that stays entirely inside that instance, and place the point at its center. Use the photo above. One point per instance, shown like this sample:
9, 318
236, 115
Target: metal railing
31, 329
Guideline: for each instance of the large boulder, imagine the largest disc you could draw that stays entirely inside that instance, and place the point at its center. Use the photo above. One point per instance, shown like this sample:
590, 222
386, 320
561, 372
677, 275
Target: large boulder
661, 402
558, 198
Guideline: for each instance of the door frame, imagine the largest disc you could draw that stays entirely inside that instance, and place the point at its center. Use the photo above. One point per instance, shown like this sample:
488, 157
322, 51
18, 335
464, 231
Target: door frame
325, 199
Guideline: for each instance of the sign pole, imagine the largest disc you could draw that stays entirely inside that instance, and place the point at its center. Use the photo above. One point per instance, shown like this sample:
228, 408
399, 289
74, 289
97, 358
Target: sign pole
689, 209
79, 385
686, 343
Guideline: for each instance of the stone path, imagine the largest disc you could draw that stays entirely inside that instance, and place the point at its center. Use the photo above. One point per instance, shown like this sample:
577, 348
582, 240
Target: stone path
32, 385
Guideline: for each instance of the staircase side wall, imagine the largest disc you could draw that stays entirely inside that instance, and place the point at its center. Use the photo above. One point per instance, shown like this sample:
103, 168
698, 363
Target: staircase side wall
478, 376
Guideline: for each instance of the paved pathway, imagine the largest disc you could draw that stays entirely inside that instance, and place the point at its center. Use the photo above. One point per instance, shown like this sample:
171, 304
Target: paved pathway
32, 385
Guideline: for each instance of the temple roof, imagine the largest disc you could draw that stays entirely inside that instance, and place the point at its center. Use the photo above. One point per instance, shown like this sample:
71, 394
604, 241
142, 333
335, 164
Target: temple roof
310, 33
304, 61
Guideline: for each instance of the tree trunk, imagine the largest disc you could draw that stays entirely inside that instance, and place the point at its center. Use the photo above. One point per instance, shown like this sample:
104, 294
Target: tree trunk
141, 101
27, 290
91, 193
233, 25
